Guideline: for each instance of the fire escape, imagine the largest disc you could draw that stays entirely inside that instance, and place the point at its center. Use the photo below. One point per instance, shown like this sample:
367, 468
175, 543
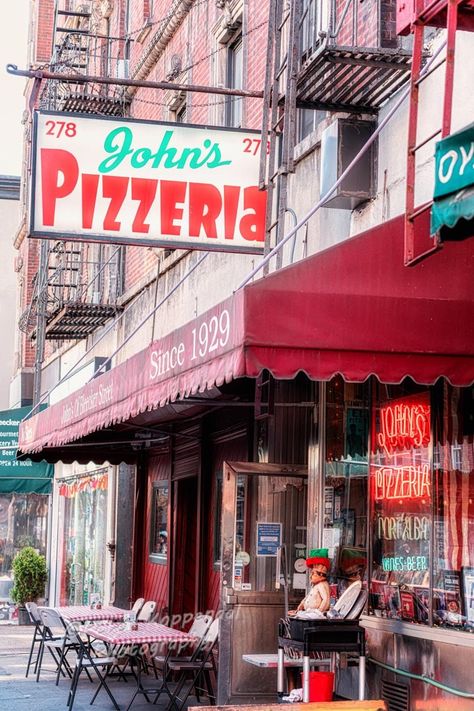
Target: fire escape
326, 55
82, 45
77, 293
413, 17
77, 285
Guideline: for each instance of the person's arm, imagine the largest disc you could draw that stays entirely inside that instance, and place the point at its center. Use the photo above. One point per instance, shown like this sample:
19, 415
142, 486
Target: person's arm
325, 595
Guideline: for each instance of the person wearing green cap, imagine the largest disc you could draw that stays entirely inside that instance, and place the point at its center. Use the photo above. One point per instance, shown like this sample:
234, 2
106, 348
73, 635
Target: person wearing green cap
319, 596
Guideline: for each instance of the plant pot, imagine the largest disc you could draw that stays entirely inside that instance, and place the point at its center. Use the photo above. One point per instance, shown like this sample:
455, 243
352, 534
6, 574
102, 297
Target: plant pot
23, 616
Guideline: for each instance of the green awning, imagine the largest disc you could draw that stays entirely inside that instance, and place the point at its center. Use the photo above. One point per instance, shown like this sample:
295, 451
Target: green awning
453, 197
20, 477
446, 213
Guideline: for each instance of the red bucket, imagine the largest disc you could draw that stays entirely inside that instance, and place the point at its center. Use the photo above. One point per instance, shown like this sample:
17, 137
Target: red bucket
321, 685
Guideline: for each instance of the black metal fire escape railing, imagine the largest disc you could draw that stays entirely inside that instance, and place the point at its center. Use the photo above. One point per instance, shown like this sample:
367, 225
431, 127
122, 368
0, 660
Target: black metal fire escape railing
83, 284
350, 56
83, 45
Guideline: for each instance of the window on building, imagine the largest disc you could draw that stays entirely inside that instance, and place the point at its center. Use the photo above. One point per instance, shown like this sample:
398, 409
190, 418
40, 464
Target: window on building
181, 113
453, 509
240, 516
402, 497
159, 523
234, 81
308, 35
308, 121
82, 515
346, 482
148, 9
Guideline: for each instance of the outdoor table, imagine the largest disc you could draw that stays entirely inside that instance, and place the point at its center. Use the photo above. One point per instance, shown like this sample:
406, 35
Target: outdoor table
117, 635
84, 613
270, 661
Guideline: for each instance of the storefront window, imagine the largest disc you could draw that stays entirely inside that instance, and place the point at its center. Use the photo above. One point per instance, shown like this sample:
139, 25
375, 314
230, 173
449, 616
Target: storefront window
159, 523
402, 496
23, 522
84, 531
345, 482
453, 521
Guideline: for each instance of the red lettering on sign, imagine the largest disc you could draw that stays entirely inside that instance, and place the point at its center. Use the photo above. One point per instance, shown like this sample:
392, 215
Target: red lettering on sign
136, 205
143, 190
231, 205
90, 184
115, 188
172, 192
410, 482
205, 205
404, 426
252, 227
56, 162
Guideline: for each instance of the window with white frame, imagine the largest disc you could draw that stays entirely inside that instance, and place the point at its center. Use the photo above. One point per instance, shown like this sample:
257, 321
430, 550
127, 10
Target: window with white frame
233, 113
158, 550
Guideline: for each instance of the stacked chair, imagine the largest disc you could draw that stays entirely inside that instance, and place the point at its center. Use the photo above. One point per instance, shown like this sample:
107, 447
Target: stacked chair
201, 667
199, 628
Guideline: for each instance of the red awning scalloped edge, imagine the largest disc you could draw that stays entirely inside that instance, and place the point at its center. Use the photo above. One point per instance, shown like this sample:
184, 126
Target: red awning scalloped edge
323, 316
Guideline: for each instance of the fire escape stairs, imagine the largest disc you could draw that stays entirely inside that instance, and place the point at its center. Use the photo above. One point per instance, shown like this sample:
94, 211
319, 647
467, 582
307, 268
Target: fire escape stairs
72, 310
79, 49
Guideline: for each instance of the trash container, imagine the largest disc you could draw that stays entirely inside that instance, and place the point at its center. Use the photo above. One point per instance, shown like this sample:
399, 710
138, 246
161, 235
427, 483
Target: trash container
321, 685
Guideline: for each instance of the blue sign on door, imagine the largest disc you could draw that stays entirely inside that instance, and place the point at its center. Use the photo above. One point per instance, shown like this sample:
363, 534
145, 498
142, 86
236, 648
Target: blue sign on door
268, 538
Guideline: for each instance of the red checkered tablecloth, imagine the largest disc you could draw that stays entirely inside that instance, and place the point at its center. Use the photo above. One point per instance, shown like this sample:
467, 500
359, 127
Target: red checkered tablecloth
82, 613
148, 632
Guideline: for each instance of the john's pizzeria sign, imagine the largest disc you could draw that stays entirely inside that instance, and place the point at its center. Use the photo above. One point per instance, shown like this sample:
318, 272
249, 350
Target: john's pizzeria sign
140, 182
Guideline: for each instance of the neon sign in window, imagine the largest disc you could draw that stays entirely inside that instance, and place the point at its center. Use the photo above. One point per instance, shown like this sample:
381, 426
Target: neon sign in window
408, 482
404, 426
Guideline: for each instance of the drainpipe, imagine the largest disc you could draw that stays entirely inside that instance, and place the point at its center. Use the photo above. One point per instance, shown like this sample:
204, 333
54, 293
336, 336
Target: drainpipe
295, 222
159, 42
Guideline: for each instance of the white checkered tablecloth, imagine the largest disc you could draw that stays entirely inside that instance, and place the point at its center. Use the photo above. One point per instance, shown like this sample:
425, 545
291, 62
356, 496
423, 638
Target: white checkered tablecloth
83, 613
148, 632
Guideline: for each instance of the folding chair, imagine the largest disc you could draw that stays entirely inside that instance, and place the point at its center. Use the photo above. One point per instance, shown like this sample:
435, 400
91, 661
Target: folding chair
137, 605
199, 629
147, 612
201, 665
85, 662
38, 636
56, 641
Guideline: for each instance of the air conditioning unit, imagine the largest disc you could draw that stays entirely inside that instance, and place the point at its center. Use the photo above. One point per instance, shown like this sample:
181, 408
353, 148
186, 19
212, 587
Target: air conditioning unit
340, 143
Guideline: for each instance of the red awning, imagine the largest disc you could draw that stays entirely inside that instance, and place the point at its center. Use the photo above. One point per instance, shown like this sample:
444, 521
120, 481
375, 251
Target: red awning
353, 309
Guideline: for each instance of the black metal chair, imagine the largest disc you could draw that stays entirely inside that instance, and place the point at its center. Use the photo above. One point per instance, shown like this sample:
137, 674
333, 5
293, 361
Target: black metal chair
85, 661
198, 630
201, 666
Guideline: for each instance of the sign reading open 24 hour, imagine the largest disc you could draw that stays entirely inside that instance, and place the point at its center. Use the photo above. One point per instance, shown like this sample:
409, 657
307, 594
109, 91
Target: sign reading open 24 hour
141, 182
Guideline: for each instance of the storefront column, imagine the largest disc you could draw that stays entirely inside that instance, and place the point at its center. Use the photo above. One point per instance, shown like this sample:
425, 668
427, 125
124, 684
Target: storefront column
316, 454
124, 543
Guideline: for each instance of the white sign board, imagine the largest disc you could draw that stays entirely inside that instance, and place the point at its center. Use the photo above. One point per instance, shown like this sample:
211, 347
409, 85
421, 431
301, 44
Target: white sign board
140, 182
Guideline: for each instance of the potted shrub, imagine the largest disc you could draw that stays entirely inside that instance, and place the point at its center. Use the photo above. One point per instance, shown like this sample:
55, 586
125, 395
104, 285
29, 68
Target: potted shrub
29, 580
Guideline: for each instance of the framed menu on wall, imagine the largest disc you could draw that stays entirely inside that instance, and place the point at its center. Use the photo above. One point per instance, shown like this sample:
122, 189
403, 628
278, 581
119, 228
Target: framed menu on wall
467, 583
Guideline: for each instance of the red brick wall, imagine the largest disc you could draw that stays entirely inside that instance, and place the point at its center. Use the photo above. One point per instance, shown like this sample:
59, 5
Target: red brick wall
44, 31
198, 51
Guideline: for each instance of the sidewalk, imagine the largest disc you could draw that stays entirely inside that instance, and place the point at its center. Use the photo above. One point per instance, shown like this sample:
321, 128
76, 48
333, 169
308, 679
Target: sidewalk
20, 694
